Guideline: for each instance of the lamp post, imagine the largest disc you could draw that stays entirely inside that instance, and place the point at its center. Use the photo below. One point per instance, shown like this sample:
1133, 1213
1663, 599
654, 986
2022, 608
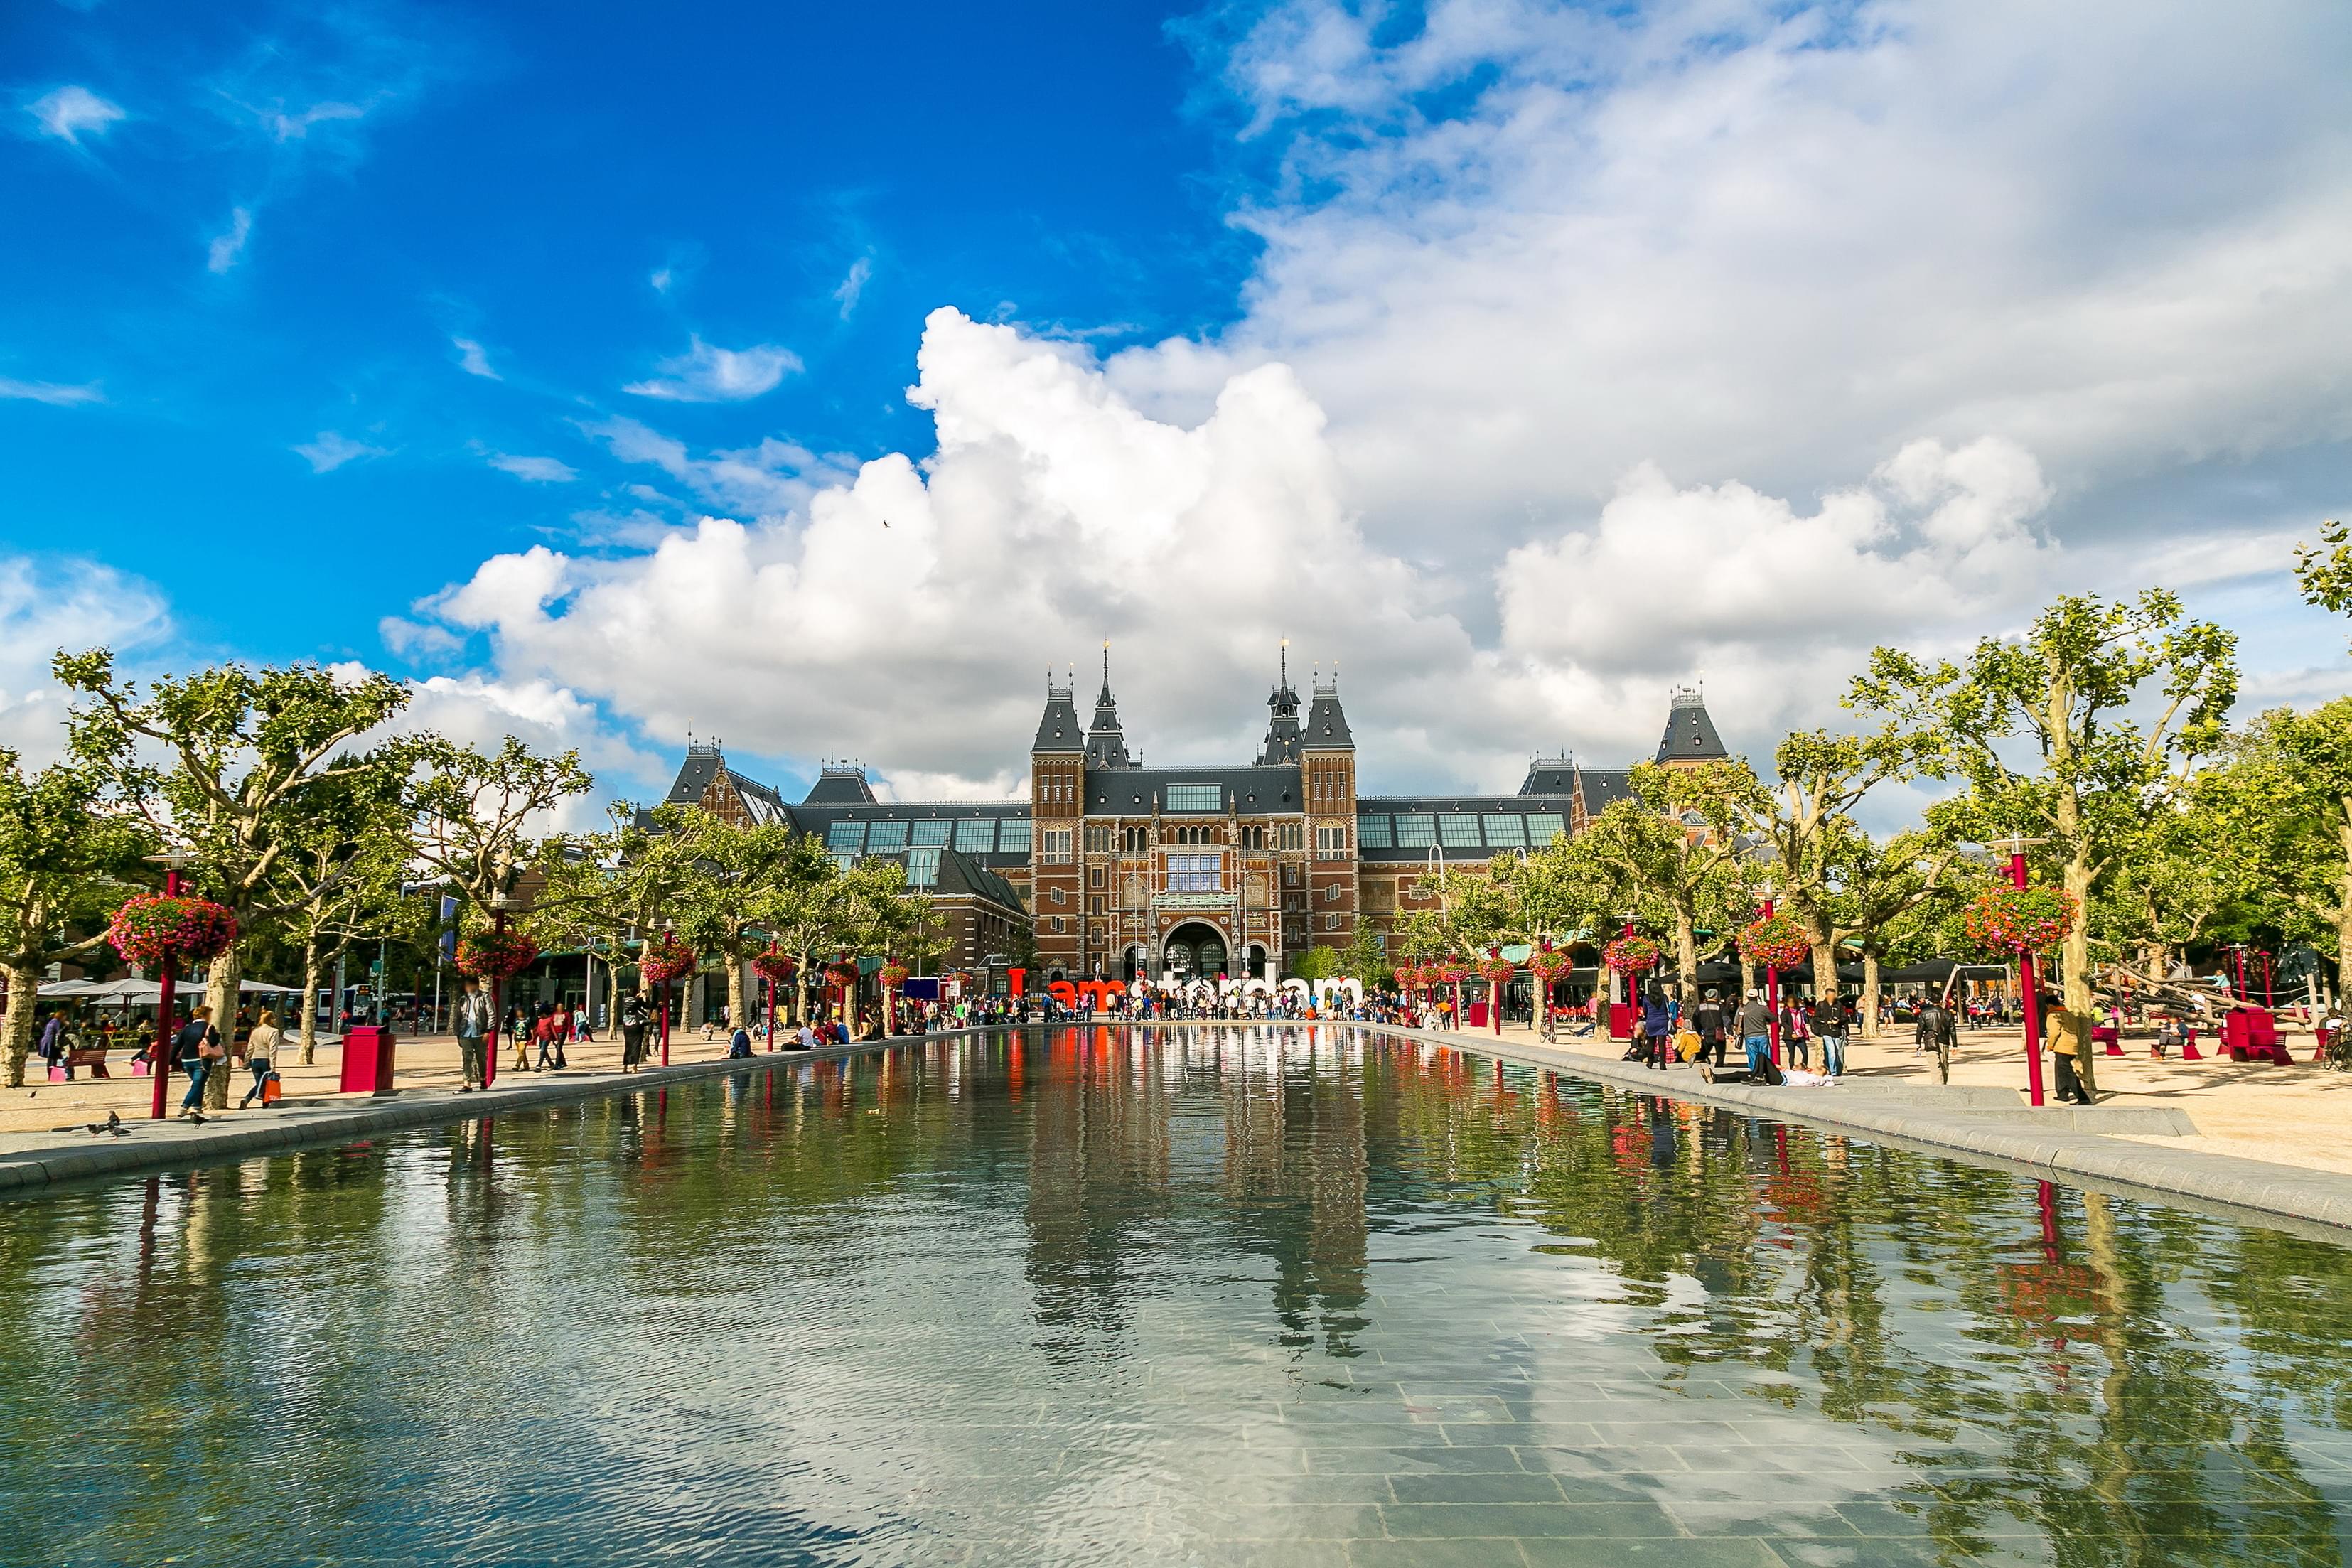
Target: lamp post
497, 1043
2031, 989
160, 1068
1771, 987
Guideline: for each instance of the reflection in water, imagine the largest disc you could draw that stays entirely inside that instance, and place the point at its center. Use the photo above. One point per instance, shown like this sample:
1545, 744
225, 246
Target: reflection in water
1270, 1293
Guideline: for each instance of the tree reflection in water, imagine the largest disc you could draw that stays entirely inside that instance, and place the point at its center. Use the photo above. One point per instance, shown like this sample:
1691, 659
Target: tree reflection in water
1117, 1253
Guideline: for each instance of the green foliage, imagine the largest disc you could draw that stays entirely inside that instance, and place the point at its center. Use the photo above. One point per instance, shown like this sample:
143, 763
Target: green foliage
1315, 963
68, 854
2072, 733
473, 810
1364, 960
2327, 579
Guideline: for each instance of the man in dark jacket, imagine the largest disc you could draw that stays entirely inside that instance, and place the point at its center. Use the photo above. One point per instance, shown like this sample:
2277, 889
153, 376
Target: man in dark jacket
1712, 1023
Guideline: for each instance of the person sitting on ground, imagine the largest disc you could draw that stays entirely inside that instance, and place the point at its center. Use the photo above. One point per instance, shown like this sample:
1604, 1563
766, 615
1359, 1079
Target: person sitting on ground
739, 1043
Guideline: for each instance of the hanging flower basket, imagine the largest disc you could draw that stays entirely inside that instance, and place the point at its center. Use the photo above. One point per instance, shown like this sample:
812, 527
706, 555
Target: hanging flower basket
1775, 941
495, 955
2020, 920
842, 974
1497, 972
664, 958
148, 926
1631, 954
775, 967
1450, 971
1549, 963
1407, 975
892, 975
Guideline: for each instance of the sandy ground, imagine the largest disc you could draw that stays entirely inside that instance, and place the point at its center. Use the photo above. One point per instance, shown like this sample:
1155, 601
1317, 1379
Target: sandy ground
428, 1063
2299, 1115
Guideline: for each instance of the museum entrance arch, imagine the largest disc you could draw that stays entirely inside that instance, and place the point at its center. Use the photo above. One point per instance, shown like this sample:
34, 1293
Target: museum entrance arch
1194, 951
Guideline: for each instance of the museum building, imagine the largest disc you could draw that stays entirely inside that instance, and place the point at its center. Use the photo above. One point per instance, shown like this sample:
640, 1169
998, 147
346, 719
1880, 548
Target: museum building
1121, 870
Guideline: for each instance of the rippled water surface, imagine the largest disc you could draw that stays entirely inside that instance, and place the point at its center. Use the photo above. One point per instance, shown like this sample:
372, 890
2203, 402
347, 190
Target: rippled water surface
1231, 1295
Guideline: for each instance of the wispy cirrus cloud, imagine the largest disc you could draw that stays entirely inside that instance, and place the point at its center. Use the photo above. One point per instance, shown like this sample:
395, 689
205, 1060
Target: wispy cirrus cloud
473, 358
69, 113
330, 450
64, 394
538, 470
708, 373
854, 285
228, 248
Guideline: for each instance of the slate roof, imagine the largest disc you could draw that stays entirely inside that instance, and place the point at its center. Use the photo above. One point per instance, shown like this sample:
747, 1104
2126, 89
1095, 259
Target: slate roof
838, 787
1139, 790
1326, 727
1058, 729
1690, 735
1474, 807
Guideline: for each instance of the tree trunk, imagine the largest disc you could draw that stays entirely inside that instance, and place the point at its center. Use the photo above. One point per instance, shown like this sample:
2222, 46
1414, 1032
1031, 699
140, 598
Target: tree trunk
16, 1023
736, 1017
612, 991
221, 996
314, 965
2074, 1019
2343, 908
1686, 955
1870, 994
1826, 981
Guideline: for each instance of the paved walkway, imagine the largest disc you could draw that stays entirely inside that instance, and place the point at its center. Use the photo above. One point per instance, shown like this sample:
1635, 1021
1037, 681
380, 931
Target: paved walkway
2299, 1115
429, 1063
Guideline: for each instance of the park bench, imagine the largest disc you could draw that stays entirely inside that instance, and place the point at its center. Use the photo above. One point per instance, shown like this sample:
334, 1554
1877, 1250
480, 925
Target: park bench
2249, 1034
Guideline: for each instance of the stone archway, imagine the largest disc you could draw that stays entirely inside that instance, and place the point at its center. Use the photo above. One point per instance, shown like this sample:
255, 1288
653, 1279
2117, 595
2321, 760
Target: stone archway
1196, 949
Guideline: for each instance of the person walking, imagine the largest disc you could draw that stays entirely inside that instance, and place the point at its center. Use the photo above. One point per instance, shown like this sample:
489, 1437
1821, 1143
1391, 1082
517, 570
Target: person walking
1754, 1026
260, 1051
1793, 1030
473, 1025
1657, 1028
2062, 1055
633, 1022
197, 1046
1829, 1028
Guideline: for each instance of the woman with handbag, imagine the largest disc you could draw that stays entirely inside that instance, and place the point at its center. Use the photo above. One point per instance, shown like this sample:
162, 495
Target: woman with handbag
198, 1048
260, 1051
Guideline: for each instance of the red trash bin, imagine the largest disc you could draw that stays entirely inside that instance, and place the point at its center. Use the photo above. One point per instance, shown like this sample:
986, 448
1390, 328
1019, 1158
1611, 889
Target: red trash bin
367, 1059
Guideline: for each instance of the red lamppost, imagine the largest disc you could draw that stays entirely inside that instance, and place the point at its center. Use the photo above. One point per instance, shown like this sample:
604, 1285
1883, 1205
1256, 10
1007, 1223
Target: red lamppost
665, 1005
160, 1068
2032, 998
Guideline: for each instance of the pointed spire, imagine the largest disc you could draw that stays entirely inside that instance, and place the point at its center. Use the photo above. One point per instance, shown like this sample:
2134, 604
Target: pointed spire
1106, 743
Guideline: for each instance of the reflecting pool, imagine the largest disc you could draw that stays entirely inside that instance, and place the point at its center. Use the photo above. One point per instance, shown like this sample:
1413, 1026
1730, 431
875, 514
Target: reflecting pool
1225, 1295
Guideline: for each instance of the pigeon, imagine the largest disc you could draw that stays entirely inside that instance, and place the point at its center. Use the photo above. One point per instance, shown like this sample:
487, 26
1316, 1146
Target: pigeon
113, 1123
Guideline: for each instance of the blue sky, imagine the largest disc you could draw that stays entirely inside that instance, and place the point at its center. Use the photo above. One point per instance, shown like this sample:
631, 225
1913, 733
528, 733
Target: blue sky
817, 375
810, 177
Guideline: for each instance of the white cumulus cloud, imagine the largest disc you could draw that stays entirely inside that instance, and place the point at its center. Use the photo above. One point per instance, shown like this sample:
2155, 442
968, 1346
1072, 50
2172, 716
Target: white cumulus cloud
70, 604
708, 373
